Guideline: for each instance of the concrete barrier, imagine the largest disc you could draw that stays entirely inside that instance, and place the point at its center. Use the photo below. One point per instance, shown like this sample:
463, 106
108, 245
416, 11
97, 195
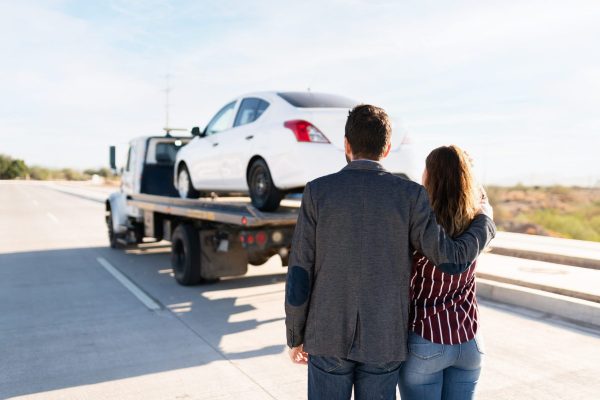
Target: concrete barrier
571, 309
578, 253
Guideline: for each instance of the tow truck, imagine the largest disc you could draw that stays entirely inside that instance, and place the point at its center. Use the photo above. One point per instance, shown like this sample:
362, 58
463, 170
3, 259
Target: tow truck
211, 237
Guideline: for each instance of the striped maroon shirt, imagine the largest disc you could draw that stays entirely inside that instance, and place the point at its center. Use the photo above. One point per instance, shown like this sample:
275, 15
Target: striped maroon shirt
443, 307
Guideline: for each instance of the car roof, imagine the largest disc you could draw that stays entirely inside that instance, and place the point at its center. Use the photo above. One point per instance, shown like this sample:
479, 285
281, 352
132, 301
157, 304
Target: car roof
273, 95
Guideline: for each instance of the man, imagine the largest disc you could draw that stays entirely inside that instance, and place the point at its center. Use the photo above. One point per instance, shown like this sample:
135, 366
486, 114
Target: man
348, 278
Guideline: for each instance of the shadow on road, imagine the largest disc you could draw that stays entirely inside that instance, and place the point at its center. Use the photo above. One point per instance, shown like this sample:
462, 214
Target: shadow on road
67, 322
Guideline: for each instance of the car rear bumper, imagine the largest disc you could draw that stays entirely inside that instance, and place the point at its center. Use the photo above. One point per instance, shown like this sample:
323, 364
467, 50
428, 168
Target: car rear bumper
308, 161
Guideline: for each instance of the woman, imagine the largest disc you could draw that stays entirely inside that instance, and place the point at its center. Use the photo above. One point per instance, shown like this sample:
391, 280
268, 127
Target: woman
445, 350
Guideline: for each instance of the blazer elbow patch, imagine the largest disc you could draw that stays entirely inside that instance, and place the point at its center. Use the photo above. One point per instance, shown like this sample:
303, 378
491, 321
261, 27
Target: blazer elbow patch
298, 286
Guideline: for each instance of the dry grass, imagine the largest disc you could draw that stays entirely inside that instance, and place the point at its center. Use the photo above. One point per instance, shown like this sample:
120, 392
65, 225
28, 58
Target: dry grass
569, 212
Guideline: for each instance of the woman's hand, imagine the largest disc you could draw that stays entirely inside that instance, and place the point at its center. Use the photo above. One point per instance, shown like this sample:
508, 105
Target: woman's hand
298, 355
485, 207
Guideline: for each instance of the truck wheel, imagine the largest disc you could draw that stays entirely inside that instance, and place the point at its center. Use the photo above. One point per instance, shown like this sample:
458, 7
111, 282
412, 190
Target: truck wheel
184, 184
112, 236
185, 255
265, 196
258, 260
139, 233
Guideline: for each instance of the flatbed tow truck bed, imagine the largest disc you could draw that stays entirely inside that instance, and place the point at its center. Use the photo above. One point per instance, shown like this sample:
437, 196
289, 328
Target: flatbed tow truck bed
234, 211
213, 238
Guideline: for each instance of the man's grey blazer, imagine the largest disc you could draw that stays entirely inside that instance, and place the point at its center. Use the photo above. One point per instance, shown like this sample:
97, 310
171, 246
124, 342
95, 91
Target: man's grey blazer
347, 291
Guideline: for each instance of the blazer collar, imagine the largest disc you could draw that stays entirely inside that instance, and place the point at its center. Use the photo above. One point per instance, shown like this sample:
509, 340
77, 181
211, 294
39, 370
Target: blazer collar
365, 164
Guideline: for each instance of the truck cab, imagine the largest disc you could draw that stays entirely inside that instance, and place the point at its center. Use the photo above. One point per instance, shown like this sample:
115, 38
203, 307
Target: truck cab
148, 169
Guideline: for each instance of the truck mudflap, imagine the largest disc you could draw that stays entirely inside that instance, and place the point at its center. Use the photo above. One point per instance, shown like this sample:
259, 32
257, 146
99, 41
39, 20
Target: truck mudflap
221, 255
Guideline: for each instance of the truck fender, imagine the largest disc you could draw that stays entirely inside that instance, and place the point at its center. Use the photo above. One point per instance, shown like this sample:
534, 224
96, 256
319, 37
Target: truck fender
116, 204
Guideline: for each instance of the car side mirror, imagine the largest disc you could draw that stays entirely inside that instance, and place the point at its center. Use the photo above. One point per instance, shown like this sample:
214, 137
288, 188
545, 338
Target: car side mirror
113, 158
196, 132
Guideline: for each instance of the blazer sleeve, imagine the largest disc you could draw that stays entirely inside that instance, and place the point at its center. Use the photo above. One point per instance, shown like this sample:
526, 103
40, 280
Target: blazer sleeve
300, 270
452, 256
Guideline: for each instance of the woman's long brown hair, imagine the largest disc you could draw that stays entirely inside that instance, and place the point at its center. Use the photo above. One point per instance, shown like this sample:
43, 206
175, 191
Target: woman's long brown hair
451, 188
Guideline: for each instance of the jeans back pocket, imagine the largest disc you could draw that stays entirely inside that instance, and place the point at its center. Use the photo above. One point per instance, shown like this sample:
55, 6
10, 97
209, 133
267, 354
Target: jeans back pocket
327, 364
426, 351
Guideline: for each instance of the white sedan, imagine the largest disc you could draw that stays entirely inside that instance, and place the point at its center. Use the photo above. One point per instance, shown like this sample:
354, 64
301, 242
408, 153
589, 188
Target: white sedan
269, 144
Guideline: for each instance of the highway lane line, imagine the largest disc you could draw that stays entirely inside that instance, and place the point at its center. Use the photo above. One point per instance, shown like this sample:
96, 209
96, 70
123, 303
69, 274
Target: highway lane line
52, 217
129, 285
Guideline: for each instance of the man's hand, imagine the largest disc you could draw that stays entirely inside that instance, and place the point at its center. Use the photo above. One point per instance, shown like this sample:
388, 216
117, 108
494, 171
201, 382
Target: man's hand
484, 207
298, 355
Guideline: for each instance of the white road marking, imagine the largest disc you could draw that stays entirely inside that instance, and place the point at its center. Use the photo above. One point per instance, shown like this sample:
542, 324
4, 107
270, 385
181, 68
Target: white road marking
52, 217
132, 287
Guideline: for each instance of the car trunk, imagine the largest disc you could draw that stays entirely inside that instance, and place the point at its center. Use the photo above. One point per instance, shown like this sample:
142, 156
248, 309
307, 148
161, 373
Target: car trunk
332, 122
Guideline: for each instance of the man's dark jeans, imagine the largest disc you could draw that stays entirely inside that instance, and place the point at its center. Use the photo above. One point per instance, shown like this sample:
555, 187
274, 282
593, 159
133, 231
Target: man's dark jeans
332, 378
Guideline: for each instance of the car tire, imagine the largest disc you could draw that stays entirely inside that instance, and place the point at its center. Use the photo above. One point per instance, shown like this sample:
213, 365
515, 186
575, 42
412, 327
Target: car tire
185, 255
265, 196
184, 184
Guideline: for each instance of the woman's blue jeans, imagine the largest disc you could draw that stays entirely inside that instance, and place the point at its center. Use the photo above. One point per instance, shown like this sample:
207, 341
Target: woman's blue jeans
439, 371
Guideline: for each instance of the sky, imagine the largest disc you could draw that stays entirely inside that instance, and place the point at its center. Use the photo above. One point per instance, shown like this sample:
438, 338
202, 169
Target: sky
515, 83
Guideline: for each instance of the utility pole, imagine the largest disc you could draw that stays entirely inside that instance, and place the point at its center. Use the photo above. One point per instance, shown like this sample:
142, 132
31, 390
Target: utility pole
167, 91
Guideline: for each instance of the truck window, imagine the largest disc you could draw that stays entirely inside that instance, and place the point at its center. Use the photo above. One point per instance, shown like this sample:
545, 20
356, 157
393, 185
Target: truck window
166, 153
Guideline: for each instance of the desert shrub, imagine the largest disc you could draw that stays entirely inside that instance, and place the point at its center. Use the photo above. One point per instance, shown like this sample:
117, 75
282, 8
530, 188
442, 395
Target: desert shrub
573, 226
73, 175
39, 173
104, 172
11, 168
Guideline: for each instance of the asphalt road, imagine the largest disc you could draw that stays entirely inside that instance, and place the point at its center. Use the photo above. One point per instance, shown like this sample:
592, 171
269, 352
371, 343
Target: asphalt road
70, 330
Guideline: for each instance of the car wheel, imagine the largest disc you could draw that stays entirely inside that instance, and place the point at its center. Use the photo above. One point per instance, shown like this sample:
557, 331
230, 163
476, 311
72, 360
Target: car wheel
184, 184
265, 196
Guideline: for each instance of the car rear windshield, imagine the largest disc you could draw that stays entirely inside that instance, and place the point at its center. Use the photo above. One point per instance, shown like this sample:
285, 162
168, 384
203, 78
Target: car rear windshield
317, 100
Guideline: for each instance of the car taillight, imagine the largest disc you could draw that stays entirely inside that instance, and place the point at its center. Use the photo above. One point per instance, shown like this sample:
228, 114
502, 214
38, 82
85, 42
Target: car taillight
305, 131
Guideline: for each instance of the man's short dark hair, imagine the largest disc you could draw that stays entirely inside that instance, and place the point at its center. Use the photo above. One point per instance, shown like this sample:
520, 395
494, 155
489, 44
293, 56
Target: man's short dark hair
368, 131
